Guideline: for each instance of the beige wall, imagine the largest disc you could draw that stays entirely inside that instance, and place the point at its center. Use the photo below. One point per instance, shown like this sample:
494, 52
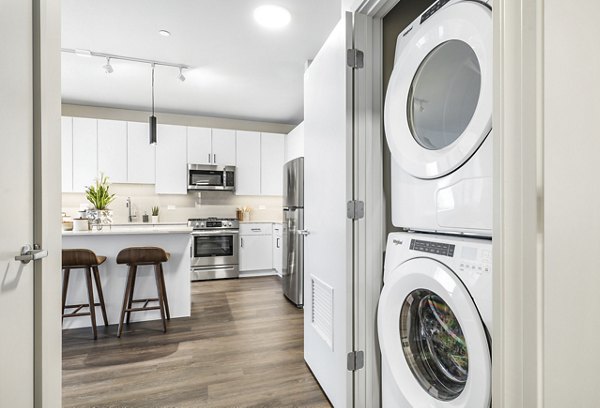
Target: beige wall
173, 119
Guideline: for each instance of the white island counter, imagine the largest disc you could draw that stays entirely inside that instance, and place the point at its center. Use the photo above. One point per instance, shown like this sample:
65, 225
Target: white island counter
174, 239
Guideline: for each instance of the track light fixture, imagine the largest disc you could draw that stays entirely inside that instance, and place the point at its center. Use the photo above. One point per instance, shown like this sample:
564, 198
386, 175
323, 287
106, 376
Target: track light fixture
152, 119
108, 68
181, 77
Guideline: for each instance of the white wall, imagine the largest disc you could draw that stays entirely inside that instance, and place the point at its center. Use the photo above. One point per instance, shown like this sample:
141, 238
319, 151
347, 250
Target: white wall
294, 143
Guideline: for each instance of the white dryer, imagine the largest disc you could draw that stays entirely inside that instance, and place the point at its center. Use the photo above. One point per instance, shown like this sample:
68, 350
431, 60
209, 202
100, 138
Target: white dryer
438, 120
434, 322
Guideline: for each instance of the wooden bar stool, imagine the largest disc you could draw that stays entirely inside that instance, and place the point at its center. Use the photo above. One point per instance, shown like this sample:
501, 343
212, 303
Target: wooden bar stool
89, 262
138, 256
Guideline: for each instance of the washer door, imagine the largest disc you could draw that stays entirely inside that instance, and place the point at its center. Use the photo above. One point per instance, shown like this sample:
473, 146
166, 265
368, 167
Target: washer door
438, 107
432, 337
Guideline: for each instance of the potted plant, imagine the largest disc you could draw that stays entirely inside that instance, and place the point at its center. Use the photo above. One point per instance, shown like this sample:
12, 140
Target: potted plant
99, 196
155, 211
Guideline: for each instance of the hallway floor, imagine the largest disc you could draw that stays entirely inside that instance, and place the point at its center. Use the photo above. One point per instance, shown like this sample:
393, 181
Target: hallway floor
242, 347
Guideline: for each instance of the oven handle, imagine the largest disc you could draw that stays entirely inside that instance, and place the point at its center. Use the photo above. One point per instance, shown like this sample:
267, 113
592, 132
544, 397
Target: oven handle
215, 232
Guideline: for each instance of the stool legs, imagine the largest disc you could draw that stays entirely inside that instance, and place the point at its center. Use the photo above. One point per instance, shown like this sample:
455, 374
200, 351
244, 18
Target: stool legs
159, 289
100, 294
88, 278
164, 292
66, 274
130, 303
128, 289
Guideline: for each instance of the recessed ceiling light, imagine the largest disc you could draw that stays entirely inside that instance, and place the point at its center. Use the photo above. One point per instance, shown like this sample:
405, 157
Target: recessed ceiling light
271, 16
164, 33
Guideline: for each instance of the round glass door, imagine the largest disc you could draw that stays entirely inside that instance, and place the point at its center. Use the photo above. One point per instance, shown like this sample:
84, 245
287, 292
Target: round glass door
434, 345
443, 95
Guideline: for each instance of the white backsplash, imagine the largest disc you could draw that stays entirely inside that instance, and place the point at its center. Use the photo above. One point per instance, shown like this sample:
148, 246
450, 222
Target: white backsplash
178, 208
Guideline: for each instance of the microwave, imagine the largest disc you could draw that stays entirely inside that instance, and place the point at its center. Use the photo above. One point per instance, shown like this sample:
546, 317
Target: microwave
203, 177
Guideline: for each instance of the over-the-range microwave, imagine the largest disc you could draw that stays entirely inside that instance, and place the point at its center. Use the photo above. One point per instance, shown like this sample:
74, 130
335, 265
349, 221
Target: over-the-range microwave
203, 177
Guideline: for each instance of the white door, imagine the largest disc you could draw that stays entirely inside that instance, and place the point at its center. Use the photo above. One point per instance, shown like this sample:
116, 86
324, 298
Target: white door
223, 147
199, 145
112, 150
327, 188
271, 163
141, 155
247, 172
171, 163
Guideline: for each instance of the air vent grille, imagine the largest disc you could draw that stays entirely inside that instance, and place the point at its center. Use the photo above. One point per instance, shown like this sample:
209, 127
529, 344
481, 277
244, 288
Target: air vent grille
322, 310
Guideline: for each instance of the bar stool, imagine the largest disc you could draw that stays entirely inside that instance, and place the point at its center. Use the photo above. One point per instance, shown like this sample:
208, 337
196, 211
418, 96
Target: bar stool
138, 256
89, 262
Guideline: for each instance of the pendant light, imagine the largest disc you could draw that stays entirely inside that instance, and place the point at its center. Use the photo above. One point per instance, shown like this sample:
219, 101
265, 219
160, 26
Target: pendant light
152, 120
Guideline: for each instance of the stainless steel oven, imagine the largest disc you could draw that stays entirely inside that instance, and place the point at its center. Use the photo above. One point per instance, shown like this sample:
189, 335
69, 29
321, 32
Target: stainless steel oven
214, 248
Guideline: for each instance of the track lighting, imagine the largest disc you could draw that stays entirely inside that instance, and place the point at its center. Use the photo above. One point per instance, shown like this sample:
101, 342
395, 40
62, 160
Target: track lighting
181, 77
108, 68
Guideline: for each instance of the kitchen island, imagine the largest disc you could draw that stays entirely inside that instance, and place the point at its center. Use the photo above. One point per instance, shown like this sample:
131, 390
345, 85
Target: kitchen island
173, 238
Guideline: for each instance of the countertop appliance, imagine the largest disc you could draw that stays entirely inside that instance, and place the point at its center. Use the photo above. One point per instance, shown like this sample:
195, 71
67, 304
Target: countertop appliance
438, 120
214, 248
210, 177
434, 322
293, 232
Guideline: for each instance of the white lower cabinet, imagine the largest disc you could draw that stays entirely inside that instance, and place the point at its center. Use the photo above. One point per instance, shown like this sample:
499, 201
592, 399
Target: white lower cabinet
256, 247
277, 249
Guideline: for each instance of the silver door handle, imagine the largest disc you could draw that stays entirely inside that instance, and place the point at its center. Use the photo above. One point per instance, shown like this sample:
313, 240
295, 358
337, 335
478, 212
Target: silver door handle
303, 232
29, 254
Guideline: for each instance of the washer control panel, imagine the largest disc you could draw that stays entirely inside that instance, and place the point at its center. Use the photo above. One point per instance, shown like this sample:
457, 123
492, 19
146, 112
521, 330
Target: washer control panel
438, 248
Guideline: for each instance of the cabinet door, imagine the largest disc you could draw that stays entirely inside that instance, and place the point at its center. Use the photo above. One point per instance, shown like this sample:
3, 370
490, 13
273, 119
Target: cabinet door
199, 145
271, 163
112, 150
66, 147
256, 252
223, 147
247, 171
141, 155
85, 153
171, 160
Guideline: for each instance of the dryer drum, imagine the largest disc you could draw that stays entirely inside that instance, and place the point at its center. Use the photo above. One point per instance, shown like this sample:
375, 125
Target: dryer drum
434, 345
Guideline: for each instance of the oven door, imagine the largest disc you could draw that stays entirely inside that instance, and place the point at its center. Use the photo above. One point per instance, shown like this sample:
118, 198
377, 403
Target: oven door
211, 248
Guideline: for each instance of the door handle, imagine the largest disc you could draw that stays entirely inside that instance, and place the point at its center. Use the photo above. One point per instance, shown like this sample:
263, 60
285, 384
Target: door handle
303, 232
29, 253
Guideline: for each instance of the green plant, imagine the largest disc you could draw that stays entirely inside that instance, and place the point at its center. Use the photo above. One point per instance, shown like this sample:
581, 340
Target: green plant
155, 210
98, 193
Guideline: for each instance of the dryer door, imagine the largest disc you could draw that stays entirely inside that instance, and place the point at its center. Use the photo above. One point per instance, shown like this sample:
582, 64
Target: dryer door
438, 107
432, 337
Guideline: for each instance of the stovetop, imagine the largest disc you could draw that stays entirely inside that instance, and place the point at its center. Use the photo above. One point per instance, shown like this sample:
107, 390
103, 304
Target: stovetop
213, 223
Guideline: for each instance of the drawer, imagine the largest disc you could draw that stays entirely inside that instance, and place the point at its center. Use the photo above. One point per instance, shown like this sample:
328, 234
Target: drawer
256, 229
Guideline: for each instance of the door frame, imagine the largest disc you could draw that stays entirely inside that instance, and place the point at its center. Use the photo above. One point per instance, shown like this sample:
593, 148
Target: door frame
46, 27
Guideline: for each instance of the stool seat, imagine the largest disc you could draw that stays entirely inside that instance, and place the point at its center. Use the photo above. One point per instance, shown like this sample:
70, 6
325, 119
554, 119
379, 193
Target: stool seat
142, 256
80, 258
87, 260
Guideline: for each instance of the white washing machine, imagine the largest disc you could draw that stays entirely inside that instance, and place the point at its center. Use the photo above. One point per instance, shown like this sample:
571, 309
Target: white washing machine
438, 120
434, 322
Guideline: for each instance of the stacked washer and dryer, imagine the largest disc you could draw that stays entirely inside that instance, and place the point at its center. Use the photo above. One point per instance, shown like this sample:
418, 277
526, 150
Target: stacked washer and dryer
435, 309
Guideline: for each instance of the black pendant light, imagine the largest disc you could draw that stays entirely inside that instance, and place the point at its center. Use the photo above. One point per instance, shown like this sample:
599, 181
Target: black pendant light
152, 120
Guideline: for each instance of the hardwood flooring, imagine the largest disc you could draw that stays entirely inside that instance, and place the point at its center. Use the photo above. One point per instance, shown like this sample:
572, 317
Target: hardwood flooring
242, 347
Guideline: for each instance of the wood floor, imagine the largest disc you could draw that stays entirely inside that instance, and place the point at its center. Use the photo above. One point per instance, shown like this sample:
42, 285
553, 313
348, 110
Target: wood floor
242, 347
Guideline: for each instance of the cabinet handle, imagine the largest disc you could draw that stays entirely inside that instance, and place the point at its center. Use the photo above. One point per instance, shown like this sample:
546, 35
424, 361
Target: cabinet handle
278, 242
215, 158
256, 229
209, 157
241, 242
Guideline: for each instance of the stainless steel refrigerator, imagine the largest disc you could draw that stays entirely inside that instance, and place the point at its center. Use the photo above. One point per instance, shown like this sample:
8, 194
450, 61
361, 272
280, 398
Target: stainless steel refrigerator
293, 230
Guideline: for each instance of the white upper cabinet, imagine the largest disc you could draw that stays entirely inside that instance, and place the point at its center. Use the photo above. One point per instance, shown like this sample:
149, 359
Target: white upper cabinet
112, 150
223, 147
247, 172
199, 145
171, 159
66, 141
85, 153
271, 169
141, 155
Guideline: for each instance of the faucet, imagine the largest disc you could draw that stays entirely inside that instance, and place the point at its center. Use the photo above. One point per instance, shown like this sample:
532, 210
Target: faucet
128, 205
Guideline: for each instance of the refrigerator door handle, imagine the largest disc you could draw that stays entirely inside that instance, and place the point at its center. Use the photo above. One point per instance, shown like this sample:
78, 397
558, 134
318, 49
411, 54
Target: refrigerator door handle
303, 232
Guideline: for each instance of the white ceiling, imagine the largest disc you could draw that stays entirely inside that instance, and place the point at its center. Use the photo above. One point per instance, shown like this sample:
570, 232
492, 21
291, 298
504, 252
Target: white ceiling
239, 69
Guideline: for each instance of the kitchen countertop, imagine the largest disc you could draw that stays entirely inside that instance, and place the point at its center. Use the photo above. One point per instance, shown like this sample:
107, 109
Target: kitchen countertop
129, 229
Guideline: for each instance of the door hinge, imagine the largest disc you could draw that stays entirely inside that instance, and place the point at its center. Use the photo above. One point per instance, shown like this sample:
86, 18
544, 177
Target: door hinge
356, 360
355, 210
355, 58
